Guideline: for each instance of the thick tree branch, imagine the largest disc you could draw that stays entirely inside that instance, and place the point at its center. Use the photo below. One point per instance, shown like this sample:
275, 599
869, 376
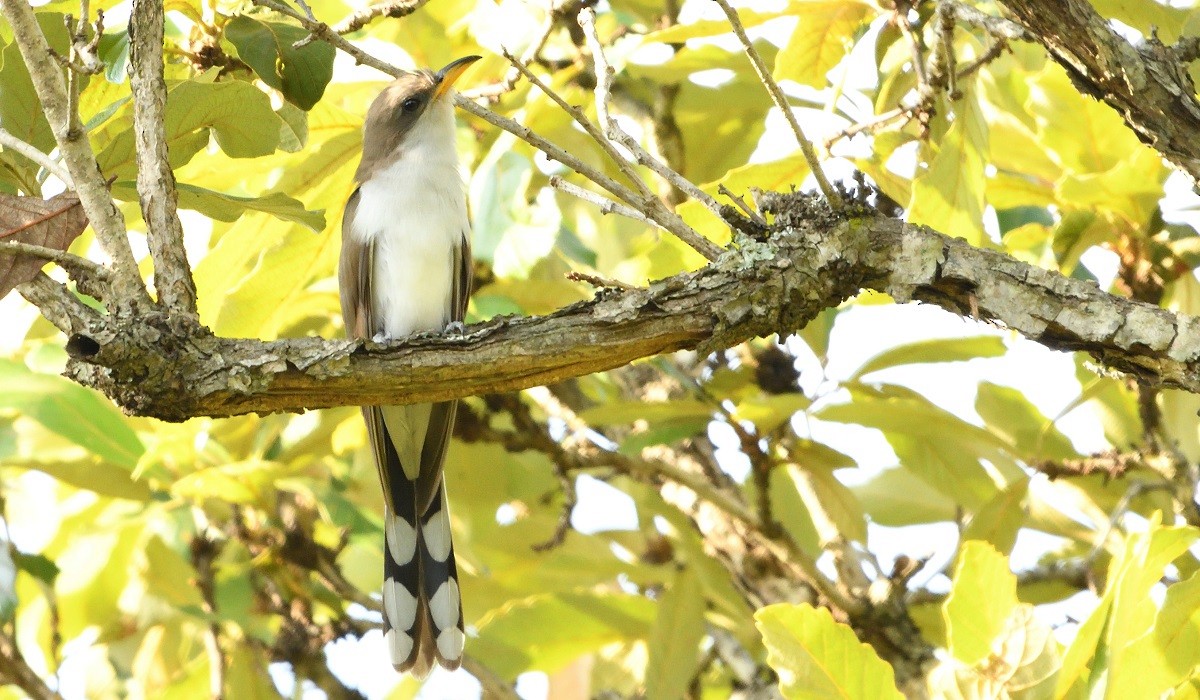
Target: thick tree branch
127, 286
1147, 84
155, 180
814, 261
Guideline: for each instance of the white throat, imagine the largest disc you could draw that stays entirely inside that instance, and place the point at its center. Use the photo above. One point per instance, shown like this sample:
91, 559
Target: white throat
415, 212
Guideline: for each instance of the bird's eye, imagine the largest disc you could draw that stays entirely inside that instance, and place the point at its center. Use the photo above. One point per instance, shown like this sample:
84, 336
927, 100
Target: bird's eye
411, 104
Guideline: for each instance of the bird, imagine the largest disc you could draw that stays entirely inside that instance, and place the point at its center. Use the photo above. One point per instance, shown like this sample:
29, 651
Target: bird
405, 268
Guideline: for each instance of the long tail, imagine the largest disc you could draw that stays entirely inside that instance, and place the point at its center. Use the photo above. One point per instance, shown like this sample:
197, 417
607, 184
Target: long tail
421, 600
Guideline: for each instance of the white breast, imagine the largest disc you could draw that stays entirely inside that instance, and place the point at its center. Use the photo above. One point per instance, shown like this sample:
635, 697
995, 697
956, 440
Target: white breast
415, 211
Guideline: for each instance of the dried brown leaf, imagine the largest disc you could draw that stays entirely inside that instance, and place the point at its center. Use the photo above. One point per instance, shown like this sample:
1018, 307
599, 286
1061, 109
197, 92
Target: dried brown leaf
50, 223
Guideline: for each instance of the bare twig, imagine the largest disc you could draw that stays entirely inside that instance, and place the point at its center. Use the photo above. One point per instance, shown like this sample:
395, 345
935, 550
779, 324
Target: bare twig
493, 92
155, 181
607, 206
14, 669
204, 551
592, 129
915, 43
604, 78
362, 18
494, 687
570, 500
748, 210
764, 75
127, 286
10, 140
75, 265
325, 33
598, 281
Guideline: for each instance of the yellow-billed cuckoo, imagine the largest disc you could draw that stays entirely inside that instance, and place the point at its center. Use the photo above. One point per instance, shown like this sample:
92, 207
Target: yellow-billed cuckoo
406, 268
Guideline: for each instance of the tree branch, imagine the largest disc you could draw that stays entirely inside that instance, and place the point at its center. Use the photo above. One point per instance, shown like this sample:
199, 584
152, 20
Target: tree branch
127, 286
14, 669
155, 181
1146, 84
10, 140
814, 261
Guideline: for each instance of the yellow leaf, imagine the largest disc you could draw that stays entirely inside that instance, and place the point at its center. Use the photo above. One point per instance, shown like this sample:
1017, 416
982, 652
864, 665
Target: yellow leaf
818, 658
820, 41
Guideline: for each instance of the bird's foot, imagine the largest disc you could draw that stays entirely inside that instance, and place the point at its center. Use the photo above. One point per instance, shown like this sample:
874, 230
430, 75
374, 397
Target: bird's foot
455, 328
380, 337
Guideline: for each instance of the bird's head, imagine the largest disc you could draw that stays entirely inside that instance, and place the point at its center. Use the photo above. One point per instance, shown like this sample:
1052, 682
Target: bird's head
412, 110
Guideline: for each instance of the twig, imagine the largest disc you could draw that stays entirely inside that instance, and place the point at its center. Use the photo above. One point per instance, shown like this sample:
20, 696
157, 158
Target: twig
362, 18
204, 552
764, 75
592, 129
604, 78
75, 265
325, 33
493, 92
155, 181
1135, 489
915, 43
14, 669
76, 150
494, 687
607, 206
10, 140
598, 281
748, 210
570, 500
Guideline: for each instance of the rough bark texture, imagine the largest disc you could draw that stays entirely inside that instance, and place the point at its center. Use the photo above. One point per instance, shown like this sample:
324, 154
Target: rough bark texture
155, 180
165, 368
1147, 84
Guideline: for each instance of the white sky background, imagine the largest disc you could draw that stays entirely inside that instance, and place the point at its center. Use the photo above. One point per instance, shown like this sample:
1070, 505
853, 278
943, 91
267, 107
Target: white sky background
1044, 376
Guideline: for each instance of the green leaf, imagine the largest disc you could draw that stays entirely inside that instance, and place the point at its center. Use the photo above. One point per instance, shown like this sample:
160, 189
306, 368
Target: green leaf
1127, 610
983, 595
770, 411
820, 41
818, 658
38, 566
97, 475
998, 522
1009, 414
267, 47
1166, 655
949, 196
228, 207
621, 413
679, 33
896, 497
114, 51
566, 624
664, 432
238, 115
73, 412
942, 449
937, 350
674, 643
832, 508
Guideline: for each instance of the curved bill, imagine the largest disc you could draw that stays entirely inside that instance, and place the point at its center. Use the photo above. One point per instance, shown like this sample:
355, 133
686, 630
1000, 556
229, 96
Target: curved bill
451, 73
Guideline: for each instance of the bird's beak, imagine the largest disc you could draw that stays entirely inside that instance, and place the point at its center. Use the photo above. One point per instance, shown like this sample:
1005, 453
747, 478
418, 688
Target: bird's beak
451, 73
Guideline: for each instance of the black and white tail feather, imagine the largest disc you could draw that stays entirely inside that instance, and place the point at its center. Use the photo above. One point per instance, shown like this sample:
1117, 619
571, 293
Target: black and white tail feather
422, 608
